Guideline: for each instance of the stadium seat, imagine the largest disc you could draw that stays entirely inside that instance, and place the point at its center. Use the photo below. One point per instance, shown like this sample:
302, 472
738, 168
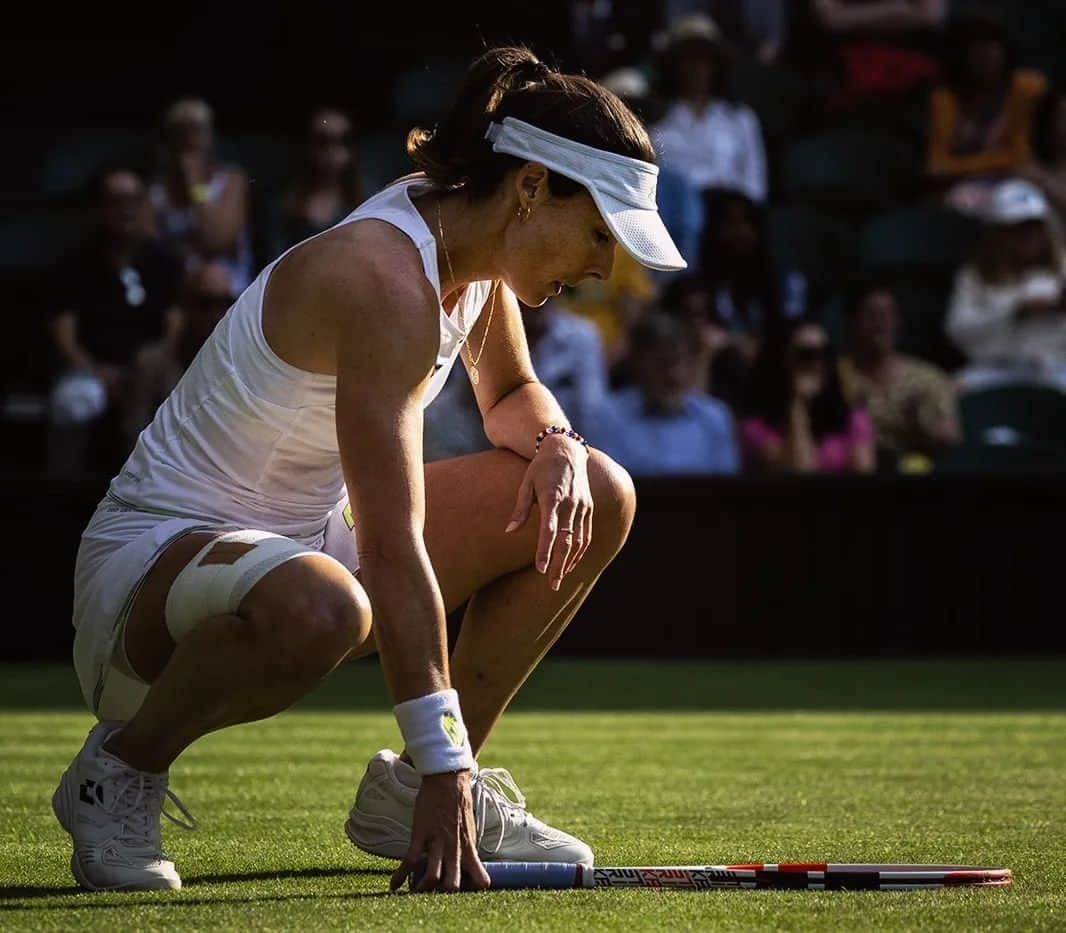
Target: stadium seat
1027, 416
819, 245
918, 238
34, 240
922, 306
1001, 458
782, 100
850, 171
70, 163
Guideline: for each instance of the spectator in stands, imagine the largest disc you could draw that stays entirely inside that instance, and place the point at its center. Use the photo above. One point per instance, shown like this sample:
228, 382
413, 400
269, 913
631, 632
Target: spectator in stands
981, 121
911, 403
679, 201
797, 418
1008, 309
201, 204
874, 52
660, 425
206, 295
747, 292
755, 27
327, 188
688, 300
1047, 170
452, 424
606, 34
713, 140
568, 358
113, 292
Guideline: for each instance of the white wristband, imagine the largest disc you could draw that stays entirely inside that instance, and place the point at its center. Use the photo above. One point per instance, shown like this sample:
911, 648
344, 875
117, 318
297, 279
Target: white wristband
434, 733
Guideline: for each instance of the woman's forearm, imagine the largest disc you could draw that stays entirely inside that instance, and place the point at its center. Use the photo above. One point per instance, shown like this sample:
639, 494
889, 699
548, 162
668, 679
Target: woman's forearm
514, 422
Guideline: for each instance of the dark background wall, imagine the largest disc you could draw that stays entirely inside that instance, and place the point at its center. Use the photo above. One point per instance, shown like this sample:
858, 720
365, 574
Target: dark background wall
723, 568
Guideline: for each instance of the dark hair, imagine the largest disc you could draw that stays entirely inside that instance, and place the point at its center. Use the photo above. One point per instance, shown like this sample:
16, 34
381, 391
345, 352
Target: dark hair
510, 81
678, 288
983, 25
863, 289
716, 51
351, 184
752, 281
656, 330
770, 390
1044, 128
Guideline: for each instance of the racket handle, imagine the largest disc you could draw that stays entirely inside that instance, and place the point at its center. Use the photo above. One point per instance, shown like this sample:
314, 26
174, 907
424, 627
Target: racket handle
528, 875
539, 875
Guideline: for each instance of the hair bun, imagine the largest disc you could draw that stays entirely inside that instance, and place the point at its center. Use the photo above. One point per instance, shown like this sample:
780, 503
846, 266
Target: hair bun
535, 70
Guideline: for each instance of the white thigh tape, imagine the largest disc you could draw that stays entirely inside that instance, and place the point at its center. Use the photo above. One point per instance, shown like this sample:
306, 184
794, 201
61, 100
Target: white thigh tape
215, 581
434, 733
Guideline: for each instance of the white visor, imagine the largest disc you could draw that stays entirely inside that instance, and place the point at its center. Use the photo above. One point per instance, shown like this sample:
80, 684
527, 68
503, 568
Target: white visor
622, 188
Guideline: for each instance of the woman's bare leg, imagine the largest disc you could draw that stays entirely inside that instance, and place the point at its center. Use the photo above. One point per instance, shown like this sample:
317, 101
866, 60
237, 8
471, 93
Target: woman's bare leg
513, 616
295, 625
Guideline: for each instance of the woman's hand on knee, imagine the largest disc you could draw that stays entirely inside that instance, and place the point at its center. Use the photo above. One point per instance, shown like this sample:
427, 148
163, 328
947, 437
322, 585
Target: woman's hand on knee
557, 480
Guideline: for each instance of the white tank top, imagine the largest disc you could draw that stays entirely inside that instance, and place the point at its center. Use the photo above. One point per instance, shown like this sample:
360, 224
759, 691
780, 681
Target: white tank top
248, 439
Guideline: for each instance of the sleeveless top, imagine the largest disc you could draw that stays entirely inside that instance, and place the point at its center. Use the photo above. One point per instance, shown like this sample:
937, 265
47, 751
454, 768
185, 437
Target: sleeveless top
247, 439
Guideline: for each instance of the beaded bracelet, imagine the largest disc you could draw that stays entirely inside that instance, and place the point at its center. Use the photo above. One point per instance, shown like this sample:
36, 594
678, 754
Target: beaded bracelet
566, 432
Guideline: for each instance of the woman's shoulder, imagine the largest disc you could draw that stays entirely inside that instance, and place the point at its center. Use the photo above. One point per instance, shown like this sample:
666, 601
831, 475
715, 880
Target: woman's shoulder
370, 262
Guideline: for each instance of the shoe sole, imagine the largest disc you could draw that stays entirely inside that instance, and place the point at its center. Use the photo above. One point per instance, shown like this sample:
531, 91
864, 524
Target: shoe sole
375, 837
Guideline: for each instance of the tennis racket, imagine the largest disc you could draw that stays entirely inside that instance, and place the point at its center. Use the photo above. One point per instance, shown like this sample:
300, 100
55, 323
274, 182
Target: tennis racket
811, 876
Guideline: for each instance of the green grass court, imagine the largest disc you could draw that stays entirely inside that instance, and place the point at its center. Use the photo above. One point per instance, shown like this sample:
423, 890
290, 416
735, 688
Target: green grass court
651, 763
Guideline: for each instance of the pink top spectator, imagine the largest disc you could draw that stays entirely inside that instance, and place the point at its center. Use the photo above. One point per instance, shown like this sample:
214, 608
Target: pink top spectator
834, 450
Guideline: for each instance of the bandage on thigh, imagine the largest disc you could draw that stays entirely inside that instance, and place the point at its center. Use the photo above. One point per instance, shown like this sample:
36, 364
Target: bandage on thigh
222, 573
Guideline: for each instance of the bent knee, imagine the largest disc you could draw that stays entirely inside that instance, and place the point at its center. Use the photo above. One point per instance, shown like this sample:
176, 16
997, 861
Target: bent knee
614, 500
312, 622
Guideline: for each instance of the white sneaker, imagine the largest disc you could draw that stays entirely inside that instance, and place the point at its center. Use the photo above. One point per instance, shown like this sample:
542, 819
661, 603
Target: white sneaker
380, 819
112, 812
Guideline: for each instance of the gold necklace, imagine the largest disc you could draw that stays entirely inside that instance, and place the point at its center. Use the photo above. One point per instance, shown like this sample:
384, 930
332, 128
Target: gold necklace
475, 376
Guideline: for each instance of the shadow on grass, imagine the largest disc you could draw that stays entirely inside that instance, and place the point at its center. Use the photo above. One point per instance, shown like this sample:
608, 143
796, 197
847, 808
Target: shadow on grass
616, 686
136, 899
282, 875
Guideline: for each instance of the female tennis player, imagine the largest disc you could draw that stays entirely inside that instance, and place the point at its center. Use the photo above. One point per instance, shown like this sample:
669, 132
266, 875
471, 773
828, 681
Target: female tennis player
276, 518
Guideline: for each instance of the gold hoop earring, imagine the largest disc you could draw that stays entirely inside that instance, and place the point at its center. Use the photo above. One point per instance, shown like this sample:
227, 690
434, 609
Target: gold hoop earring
523, 213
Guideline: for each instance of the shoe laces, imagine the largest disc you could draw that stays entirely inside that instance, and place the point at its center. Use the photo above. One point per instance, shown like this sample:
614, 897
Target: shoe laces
138, 800
495, 788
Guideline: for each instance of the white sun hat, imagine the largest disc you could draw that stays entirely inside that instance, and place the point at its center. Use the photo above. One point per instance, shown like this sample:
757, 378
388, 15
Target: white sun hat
1015, 201
627, 82
622, 188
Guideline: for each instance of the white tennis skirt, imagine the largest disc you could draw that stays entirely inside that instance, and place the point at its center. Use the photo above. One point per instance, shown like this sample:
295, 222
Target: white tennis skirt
118, 548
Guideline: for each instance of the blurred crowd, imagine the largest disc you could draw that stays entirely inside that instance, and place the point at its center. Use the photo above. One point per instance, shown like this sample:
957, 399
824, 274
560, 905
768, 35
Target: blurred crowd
869, 194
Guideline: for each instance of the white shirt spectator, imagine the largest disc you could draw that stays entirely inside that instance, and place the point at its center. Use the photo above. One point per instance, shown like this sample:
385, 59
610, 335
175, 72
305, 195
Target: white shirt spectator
569, 360
721, 147
981, 320
701, 438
